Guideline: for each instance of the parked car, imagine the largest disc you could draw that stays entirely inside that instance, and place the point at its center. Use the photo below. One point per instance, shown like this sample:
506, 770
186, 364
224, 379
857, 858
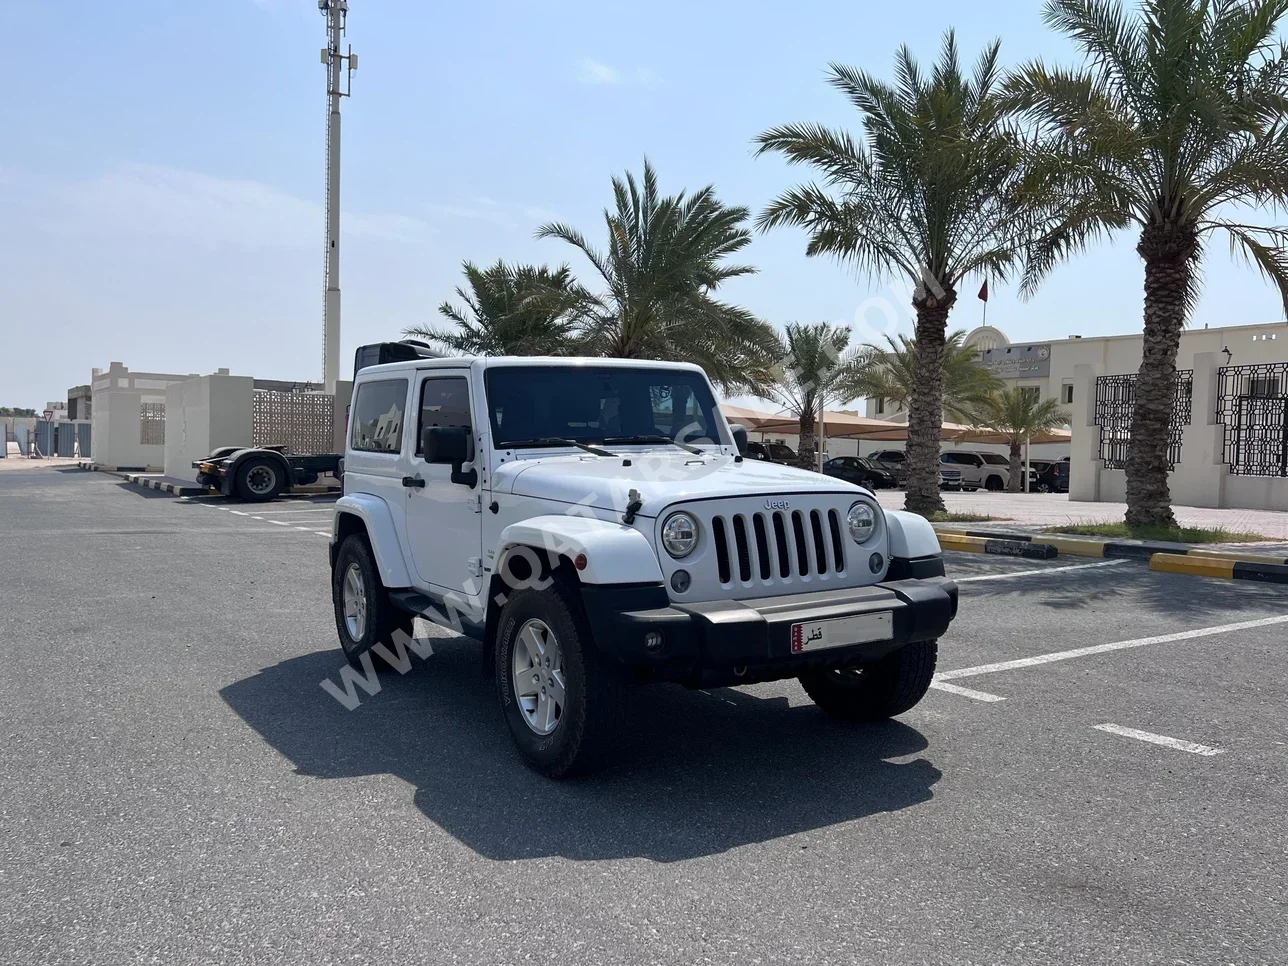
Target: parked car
772, 453
592, 540
950, 476
989, 470
894, 462
1053, 479
860, 470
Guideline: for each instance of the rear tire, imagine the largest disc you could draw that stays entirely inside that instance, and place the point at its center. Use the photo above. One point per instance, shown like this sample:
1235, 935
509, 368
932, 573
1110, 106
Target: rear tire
364, 615
887, 688
569, 720
994, 483
259, 479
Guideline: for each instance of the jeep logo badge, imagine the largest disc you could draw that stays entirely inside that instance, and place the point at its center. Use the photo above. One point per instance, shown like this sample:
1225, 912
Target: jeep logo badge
777, 505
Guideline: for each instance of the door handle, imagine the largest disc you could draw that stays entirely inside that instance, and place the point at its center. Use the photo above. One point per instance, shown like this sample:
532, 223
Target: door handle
415, 481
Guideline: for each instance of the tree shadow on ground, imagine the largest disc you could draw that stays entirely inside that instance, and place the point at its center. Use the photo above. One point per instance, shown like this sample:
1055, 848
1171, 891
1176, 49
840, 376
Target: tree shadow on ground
697, 774
1201, 598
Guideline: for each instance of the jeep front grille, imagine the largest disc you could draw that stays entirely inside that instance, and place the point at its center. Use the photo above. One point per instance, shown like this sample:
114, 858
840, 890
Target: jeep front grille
783, 544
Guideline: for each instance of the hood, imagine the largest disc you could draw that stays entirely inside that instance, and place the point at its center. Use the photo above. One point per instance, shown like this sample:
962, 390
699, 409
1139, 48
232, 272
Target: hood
661, 479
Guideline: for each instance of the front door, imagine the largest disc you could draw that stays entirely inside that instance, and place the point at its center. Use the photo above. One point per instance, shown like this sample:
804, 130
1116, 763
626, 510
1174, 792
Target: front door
444, 519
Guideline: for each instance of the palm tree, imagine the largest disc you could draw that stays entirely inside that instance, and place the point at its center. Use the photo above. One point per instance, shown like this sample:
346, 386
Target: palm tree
890, 372
931, 195
1178, 113
515, 310
811, 364
666, 257
1019, 414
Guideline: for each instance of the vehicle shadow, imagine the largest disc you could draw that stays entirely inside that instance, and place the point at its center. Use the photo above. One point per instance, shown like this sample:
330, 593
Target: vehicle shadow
698, 773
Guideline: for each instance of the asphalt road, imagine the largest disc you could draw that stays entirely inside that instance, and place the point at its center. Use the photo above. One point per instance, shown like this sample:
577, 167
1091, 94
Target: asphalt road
178, 788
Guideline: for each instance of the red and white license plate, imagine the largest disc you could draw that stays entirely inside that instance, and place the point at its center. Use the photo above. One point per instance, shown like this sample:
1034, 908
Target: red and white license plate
842, 631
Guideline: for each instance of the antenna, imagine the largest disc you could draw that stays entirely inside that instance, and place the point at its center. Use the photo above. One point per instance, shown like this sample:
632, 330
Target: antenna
340, 68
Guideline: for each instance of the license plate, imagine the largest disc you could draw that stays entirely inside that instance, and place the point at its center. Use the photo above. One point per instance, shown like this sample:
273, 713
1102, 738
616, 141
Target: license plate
842, 631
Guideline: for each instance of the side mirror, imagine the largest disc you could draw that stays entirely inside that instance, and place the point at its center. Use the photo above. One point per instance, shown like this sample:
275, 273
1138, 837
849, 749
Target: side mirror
739, 437
450, 445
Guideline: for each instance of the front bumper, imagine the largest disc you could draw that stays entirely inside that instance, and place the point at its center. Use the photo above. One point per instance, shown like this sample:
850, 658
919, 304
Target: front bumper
737, 642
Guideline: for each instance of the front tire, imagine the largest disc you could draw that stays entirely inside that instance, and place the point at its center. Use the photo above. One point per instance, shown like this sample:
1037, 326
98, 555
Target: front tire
882, 690
562, 701
364, 615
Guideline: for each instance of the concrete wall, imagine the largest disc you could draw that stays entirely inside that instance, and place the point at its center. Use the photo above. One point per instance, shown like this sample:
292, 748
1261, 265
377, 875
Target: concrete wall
203, 414
116, 430
1200, 478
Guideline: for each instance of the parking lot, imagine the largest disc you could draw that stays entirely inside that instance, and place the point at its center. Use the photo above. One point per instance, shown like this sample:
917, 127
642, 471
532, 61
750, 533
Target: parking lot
1098, 776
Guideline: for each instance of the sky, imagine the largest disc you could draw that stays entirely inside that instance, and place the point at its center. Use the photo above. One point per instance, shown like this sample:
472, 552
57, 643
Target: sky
162, 168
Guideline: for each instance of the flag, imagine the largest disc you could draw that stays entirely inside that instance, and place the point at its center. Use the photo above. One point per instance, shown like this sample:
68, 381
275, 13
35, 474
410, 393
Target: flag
983, 291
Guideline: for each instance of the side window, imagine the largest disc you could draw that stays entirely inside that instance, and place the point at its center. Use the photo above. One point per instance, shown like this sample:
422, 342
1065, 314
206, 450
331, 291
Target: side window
377, 416
444, 401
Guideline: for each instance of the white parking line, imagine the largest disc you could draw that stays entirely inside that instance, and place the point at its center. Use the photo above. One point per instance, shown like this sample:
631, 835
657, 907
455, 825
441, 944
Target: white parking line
325, 509
970, 672
280, 523
1042, 572
966, 692
1192, 747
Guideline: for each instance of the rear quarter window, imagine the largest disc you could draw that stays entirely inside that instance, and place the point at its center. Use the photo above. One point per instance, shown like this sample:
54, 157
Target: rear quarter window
376, 423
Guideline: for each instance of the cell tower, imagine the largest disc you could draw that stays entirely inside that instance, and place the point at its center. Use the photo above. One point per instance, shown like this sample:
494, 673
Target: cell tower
339, 70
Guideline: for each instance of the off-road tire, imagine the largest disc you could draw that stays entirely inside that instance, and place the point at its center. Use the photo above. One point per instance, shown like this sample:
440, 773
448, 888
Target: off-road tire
887, 688
994, 483
383, 618
243, 489
585, 737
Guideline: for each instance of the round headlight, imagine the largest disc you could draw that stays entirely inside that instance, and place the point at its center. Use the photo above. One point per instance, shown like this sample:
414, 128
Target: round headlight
679, 534
862, 522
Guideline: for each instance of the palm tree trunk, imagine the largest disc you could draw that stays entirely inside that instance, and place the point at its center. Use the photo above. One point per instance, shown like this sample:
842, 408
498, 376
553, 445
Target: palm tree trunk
1169, 255
1015, 483
805, 443
926, 406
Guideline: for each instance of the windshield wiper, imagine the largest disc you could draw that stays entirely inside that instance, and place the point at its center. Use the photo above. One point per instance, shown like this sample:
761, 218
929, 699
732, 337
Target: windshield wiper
558, 441
627, 440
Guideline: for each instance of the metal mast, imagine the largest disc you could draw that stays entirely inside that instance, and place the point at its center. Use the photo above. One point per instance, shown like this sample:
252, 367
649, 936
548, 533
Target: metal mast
336, 63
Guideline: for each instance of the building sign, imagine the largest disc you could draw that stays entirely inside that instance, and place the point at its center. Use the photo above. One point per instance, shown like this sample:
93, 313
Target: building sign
1018, 361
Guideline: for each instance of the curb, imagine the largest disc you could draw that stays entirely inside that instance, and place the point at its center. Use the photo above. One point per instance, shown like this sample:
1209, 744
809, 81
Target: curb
1229, 568
1002, 547
1092, 547
175, 489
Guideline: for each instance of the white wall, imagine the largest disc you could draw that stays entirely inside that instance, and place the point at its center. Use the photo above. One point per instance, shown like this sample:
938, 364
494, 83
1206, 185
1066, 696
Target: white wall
202, 414
1200, 478
114, 436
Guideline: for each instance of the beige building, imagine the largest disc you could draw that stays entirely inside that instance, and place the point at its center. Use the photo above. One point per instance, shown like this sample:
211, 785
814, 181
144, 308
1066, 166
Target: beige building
1230, 421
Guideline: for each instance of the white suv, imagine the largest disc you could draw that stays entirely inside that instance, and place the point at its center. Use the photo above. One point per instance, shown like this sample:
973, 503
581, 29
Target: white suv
989, 470
593, 523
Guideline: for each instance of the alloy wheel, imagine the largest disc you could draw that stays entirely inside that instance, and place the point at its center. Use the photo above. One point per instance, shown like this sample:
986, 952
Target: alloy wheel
537, 673
354, 599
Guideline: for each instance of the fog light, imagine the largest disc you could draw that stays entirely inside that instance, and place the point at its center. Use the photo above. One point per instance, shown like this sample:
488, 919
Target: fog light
875, 563
680, 581
653, 641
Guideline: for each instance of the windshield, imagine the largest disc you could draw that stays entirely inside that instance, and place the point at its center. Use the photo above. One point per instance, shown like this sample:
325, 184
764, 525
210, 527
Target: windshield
533, 405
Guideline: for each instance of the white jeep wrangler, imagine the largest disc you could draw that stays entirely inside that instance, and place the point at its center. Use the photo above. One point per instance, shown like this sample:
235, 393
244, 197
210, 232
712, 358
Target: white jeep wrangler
593, 523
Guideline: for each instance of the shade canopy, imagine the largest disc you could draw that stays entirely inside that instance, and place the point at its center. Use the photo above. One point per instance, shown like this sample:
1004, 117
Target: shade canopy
835, 425
851, 426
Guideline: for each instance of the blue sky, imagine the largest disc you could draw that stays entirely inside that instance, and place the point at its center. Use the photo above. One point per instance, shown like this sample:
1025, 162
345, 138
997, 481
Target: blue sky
161, 167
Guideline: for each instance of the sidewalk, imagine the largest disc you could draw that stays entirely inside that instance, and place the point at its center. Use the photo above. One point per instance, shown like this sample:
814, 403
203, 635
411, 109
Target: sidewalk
1054, 509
